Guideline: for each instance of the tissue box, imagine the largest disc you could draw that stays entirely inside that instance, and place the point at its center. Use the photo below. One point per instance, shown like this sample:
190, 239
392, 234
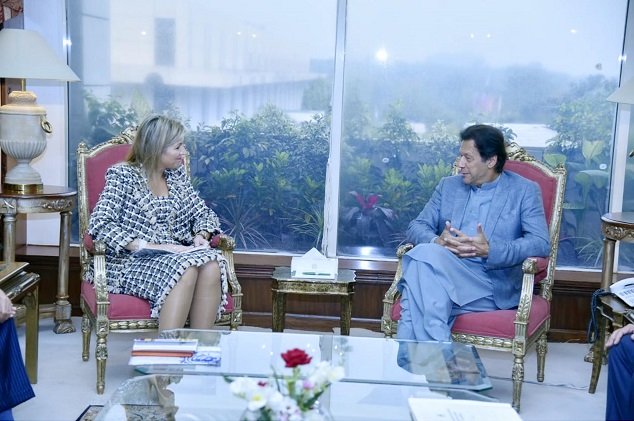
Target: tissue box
314, 265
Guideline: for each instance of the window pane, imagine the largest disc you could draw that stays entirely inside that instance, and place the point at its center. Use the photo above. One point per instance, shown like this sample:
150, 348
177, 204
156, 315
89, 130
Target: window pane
626, 249
417, 72
252, 80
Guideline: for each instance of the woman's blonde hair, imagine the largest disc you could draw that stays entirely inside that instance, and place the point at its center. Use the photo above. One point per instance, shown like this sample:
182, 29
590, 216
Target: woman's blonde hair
153, 136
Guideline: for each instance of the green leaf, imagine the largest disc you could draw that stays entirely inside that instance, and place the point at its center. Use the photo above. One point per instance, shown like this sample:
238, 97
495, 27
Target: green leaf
554, 159
592, 149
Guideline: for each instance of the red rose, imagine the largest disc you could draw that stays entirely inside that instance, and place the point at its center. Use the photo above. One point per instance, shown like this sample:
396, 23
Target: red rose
296, 357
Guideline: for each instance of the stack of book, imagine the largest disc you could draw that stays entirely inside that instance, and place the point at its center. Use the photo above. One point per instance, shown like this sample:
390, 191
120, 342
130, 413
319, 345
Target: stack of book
173, 351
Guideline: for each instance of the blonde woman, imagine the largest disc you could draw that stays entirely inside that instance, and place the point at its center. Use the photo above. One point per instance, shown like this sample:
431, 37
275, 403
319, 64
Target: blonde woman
157, 229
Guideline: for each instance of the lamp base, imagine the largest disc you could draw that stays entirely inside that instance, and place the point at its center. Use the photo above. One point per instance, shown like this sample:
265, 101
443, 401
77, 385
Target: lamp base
22, 188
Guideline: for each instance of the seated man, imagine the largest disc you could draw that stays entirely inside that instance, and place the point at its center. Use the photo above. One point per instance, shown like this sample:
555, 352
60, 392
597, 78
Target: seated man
620, 400
14, 383
471, 239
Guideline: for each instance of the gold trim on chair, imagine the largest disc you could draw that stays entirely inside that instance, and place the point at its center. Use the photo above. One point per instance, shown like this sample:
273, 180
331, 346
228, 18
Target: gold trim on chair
521, 341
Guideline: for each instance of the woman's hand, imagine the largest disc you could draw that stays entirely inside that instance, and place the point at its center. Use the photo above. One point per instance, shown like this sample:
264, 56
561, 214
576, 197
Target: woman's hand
6, 307
199, 240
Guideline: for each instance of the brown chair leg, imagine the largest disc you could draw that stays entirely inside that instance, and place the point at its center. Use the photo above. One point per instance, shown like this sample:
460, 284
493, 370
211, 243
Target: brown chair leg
518, 379
542, 349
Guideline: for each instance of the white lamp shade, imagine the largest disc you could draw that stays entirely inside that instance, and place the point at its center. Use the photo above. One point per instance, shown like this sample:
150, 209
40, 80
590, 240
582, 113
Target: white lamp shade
624, 94
27, 55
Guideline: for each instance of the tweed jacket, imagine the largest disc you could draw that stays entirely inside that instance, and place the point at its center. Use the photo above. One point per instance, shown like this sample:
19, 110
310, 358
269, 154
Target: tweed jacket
123, 214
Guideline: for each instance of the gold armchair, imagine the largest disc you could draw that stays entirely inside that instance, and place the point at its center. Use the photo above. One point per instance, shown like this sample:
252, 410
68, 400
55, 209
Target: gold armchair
509, 330
107, 312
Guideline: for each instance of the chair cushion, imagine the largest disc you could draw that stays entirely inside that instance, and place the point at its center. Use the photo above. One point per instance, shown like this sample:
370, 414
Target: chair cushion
126, 307
493, 323
122, 307
500, 323
542, 265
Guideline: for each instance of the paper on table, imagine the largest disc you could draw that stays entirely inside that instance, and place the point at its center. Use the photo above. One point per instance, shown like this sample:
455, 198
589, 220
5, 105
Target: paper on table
315, 265
424, 409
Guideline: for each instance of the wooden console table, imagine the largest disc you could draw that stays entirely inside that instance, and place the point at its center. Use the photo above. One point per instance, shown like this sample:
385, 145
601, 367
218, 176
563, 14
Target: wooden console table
22, 287
52, 199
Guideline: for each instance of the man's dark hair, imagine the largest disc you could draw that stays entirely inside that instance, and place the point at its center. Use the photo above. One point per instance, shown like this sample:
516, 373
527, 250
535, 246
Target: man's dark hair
489, 141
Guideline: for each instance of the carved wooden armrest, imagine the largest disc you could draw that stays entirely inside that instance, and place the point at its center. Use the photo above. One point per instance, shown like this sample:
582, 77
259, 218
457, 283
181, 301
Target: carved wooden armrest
529, 267
99, 265
392, 293
227, 244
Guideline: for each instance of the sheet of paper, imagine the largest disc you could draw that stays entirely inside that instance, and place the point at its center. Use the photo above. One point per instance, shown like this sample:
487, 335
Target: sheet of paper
424, 409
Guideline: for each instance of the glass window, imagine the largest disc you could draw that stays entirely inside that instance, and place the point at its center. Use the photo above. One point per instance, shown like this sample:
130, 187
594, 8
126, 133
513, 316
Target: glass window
415, 77
252, 80
164, 41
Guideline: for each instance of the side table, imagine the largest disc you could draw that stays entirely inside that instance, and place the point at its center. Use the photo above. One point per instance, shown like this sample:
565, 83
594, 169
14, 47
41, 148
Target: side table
616, 226
52, 199
22, 287
284, 283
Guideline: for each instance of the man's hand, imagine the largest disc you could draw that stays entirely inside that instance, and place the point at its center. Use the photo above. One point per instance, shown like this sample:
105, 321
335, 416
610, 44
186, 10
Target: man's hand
616, 336
464, 246
444, 236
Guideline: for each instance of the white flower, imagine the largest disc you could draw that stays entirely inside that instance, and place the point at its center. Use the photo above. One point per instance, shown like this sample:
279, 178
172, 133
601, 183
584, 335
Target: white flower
276, 401
325, 373
335, 374
243, 386
258, 398
273, 398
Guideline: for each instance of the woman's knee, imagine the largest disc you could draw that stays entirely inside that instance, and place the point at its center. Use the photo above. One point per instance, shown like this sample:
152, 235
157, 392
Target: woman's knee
211, 266
210, 271
189, 276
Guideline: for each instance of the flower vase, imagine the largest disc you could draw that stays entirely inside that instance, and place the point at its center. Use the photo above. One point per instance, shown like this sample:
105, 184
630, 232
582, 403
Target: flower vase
316, 413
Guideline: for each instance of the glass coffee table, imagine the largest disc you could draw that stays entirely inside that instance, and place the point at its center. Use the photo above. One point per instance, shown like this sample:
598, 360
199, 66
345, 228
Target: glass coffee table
380, 375
364, 359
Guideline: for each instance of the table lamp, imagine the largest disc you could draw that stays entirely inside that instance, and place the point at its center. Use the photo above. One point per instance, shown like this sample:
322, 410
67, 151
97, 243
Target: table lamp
625, 95
23, 125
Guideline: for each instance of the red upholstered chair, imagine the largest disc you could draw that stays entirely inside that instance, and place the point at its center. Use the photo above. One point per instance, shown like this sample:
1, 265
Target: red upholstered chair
509, 330
118, 312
